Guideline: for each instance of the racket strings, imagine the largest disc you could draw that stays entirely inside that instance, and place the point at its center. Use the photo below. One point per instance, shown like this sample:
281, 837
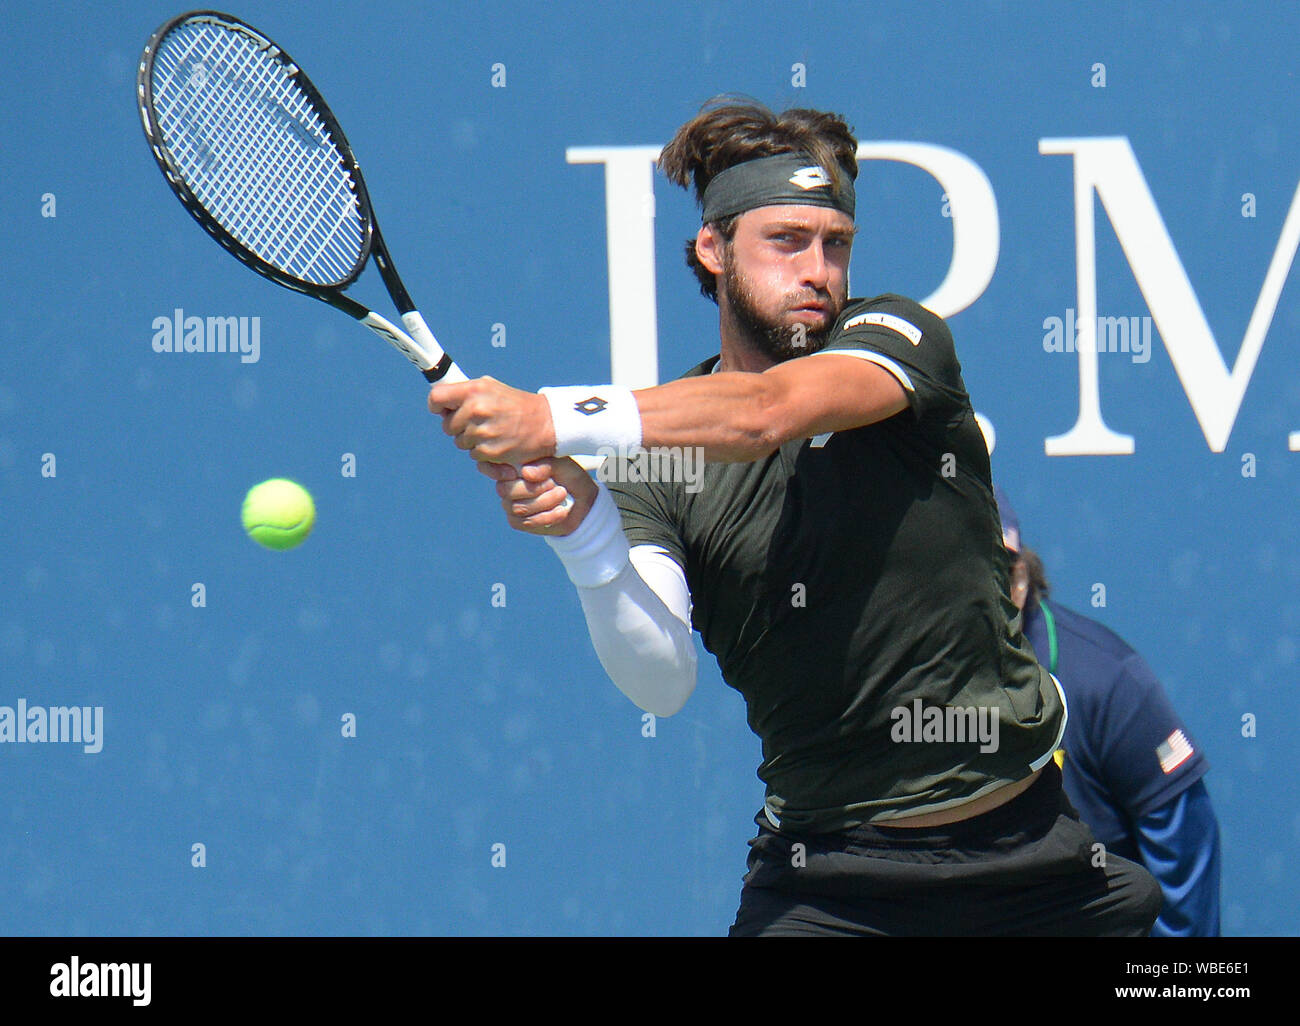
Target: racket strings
218, 195
305, 172
269, 237
220, 190
285, 226
251, 147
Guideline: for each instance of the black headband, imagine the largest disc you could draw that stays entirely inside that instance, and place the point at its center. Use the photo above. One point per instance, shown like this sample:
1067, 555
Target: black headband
787, 178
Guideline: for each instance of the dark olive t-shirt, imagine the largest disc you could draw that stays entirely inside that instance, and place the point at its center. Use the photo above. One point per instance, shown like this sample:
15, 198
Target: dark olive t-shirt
855, 590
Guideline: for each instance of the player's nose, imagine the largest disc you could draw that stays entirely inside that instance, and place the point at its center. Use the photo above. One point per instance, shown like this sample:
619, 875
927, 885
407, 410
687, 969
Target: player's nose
814, 271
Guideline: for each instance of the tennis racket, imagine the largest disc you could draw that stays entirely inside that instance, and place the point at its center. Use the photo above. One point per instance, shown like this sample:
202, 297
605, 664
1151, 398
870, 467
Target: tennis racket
253, 152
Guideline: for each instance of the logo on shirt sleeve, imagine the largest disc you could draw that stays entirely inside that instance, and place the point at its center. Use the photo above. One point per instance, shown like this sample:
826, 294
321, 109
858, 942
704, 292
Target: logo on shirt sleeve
883, 320
1173, 751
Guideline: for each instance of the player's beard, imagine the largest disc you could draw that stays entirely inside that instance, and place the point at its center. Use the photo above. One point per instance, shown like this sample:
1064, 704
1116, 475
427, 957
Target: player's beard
771, 337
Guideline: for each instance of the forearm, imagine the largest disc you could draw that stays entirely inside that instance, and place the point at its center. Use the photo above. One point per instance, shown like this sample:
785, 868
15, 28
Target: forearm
735, 417
1179, 844
648, 652
641, 633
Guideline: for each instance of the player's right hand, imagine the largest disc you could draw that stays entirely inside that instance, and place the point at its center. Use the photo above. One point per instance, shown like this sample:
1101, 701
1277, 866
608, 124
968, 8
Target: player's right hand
533, 502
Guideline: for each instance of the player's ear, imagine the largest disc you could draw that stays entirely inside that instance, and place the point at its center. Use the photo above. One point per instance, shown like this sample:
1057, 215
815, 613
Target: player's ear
708, 248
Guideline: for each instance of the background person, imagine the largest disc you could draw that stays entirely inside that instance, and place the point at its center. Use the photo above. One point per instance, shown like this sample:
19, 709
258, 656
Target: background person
1129, 764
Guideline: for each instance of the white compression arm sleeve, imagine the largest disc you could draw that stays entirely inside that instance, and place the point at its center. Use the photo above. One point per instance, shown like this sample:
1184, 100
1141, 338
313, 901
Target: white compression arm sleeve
637, 605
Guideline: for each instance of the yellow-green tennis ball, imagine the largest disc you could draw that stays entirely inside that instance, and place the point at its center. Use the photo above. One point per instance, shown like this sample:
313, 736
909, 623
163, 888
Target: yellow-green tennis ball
278, 513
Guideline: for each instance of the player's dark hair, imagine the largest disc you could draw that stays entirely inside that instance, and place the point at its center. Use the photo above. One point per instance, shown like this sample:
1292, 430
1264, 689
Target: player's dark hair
1038, 586
731, 130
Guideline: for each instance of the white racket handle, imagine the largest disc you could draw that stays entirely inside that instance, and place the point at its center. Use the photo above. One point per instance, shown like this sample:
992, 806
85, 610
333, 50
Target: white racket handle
424, 337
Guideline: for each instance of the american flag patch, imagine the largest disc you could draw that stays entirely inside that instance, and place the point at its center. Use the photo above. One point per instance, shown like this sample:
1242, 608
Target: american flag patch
1173, 751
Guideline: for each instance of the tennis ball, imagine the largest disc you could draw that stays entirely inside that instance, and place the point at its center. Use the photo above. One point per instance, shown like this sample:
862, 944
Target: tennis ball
279, 513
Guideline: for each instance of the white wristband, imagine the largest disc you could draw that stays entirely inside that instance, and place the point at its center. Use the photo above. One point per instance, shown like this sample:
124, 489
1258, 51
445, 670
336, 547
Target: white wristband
597, 551
593, 418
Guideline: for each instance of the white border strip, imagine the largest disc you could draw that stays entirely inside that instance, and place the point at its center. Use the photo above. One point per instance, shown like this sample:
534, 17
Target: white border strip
870, 357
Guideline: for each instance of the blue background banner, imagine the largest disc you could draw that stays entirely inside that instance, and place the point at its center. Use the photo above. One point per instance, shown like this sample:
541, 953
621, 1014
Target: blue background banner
487, 731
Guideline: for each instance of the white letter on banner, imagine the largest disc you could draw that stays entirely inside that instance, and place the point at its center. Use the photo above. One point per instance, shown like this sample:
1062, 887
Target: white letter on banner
976, 235
630, 241
1109, 166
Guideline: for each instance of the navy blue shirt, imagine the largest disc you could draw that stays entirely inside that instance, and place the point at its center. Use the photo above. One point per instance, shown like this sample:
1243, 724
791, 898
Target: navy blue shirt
1131, 768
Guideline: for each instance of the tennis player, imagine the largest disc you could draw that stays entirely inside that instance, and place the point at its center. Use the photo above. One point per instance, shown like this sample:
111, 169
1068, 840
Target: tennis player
841, 557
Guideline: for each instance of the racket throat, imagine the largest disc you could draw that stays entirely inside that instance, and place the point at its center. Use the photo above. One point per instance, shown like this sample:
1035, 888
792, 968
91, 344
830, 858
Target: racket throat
443, 369
400, 341
434, 369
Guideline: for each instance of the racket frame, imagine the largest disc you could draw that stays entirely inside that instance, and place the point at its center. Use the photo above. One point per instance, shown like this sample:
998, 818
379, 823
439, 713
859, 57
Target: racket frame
417, 342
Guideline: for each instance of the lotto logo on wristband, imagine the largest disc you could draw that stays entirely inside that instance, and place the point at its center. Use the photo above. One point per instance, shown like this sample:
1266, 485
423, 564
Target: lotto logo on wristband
589, 406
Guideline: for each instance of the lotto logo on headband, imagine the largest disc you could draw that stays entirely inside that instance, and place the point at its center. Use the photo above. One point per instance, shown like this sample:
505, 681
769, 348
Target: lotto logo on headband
810, 178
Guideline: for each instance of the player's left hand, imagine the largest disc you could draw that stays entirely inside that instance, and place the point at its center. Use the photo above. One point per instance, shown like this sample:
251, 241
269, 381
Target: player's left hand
494, 422
533, 495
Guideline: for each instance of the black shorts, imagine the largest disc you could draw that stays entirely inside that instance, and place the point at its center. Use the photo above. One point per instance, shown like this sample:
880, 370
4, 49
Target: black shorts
1026, 868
